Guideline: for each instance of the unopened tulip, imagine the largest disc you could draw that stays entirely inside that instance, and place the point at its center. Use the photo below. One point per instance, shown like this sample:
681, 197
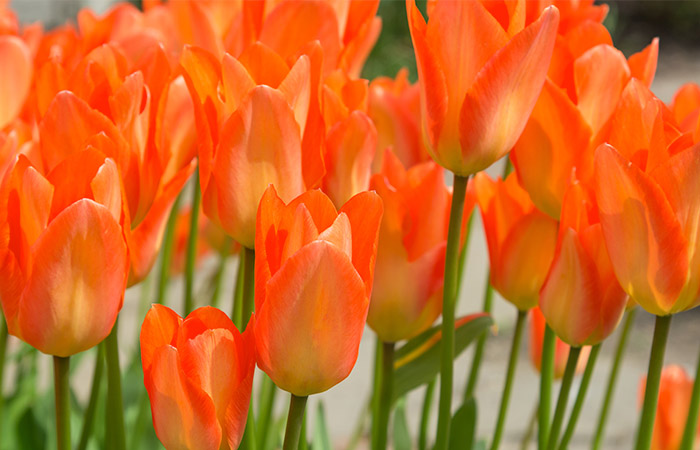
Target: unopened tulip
561, 348
480, 77
407, 294
581, 298
313, 278
199, 376
675, 391
521, 239
63, 256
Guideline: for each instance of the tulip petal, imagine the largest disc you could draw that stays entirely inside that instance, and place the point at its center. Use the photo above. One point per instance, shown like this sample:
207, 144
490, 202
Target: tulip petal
555, 137
260, 145
434, 94
160, 327
320, 288
145, 239
365, 213
76, 287
645, 241
497, 106
600, 75
15, 77
678, 178
643, 64
183, 414
350, 148
70, 124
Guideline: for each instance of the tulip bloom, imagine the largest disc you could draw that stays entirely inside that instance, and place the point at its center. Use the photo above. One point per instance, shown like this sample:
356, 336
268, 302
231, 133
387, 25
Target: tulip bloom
675, 391
63, 256
407, 294
394, 107
520, 238
649, 221
581, 298
480, 76
686, 109
587, 77
313, 278
253, 137
561, 348
199, 376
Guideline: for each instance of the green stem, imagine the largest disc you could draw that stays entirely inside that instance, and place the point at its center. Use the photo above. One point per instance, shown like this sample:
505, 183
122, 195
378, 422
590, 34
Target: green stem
248, 305
114, 434
546, 378
376, 390
297, 408
425, 415
651, 392
385, 395
191, 255
89, 416
563, 400
510, 375
3, 350
612, 380
244, 303
303, 442
249, 441
219, 277
167, 252
237, 312
580, 398
530, 431
267, 401
448, 311
480, 344
691, 423
61, 377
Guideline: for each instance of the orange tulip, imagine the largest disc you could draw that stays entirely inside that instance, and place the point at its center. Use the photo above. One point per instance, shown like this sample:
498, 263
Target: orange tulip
561, 348
199, 376
125, 116
313, 278
586, 79
63, 257
394, 107
253, 137
675, 390
480, 78
581, 298
647, 195
520, 238
407, 294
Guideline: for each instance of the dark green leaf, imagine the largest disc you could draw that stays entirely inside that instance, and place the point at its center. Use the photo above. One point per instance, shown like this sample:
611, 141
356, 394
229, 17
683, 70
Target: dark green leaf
418, 361
402, 437
463, 426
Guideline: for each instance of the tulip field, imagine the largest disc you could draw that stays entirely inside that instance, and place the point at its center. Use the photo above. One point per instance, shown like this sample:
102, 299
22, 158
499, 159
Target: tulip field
206, 207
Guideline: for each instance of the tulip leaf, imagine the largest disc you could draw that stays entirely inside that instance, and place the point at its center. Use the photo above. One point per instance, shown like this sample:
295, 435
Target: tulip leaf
418, 361
402, 437
30, 433
463, 426
322, 440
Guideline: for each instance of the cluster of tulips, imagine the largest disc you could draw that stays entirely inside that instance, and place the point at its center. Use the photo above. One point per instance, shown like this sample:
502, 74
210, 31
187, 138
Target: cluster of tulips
331, 189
